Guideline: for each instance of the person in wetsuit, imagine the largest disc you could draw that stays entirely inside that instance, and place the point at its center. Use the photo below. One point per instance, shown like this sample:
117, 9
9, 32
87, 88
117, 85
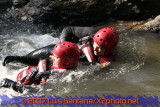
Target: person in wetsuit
64, 56
101, 44
72, 34
96, 45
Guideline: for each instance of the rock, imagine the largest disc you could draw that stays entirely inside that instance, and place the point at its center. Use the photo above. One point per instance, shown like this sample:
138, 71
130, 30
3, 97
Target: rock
6, 1
39, 2
4, 5
19, 3
153, 25
11, 14
135, 9
83, 12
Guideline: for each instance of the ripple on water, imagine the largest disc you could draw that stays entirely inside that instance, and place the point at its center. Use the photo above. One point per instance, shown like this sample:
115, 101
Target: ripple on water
128, 74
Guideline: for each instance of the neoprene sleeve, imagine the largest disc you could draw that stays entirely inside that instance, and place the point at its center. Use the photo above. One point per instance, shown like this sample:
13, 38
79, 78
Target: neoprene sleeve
69, 33
28, 60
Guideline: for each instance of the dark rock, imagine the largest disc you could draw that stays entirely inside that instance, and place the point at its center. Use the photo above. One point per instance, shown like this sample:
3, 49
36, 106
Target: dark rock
4, 4
40, 2
136, 9
5, 1
84, 12
11, 14
153, 25
126, 9
19, 3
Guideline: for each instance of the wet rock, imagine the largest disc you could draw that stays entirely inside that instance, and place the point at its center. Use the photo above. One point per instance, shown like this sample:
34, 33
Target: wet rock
153, 25
126, 9
39, 2
136, 9
11, 14
83, 12
4, 5
19, 3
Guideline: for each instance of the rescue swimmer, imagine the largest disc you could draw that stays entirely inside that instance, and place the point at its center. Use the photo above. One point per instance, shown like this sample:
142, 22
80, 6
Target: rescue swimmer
97, 45
64, 56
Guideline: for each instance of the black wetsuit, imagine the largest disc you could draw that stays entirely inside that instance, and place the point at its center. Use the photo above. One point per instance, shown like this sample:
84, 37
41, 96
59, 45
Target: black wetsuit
68, 34
43, 52
73, 34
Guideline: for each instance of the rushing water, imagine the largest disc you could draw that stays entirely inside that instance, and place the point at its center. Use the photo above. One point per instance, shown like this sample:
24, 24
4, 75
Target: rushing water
134, 72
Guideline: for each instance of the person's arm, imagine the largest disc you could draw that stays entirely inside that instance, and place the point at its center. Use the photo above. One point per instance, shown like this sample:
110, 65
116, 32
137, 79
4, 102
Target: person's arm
101, 66
73, 34
105, 61
28, 60
43, 52
68, 34
7, 83
33, 57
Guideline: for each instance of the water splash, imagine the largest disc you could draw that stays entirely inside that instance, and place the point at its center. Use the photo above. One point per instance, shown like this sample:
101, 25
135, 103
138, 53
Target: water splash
131, 57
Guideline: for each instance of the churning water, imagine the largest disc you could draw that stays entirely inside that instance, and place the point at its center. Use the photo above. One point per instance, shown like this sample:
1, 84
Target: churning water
135, 70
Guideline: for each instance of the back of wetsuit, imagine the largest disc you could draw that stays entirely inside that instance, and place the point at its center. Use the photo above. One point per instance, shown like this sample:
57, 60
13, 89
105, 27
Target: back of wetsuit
73, 34
43, 52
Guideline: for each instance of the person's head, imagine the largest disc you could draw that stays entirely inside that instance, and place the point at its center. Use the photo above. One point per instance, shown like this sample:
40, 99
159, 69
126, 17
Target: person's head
105, 41
66, 54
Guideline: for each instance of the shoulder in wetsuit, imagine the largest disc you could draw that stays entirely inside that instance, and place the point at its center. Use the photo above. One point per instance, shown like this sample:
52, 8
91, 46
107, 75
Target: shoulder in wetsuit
33, 58
73, 33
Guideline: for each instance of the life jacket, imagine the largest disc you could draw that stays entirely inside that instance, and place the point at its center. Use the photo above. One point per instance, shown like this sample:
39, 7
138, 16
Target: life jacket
87, 50
42, 67
103, 59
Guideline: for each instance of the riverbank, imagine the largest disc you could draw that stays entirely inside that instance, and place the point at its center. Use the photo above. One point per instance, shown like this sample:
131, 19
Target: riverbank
137, 15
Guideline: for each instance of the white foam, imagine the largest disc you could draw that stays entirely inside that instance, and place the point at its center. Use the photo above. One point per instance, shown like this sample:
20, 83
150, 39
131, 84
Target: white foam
43, 40
128, 60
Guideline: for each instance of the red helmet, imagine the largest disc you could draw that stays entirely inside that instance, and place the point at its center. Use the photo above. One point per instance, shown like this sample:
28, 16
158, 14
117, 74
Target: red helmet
107, 38
68, 52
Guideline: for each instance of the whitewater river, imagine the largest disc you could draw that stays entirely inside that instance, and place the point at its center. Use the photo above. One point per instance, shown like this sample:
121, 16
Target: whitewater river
134, 72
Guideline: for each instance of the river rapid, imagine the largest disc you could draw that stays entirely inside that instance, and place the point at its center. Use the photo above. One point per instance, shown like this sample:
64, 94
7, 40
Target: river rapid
135, 70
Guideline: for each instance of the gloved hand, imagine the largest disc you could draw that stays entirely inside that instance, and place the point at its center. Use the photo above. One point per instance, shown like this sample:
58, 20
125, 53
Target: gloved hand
35, 78
9, 59
29, 79
84, 40
42, 77
7, 83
